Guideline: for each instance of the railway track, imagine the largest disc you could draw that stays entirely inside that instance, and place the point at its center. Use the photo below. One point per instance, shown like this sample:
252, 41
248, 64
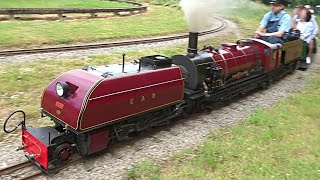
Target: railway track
27, 170
16, 11
222, 26
21, 171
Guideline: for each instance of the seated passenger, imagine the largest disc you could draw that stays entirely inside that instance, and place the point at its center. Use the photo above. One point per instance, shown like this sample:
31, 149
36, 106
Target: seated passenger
296, 13
306, 27
313, 20
315, 29
276, 23
315, 23
294, 32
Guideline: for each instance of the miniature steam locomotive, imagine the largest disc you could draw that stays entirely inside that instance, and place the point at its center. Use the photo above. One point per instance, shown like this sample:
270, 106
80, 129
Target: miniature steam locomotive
95, 106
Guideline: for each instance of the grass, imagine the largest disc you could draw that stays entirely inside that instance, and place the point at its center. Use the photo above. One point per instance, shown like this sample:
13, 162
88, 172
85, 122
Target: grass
145, 169
38, 33
249, 19
158, 21
61, 4
281, 142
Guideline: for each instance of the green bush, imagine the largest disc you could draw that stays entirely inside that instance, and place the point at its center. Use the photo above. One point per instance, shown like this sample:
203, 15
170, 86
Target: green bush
297, 2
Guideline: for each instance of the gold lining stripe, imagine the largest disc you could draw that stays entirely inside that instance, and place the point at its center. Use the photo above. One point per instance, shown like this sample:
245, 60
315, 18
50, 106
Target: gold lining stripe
233, 58
231, 54
45, 91
60, 119
245, 55
135, 89
84, 105
224, 59
86, 100
225, 64
131, 115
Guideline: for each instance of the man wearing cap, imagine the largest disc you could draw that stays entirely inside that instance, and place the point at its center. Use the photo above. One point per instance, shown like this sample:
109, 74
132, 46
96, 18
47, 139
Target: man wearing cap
274, 24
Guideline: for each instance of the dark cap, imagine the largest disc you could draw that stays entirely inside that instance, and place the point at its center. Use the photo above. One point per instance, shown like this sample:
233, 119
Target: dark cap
283, 2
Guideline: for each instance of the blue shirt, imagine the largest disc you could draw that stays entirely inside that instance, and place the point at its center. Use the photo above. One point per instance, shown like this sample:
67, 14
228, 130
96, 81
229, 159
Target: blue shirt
283, 18
306, 29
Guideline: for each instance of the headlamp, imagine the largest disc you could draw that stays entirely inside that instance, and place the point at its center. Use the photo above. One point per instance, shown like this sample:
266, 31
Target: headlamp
62, 89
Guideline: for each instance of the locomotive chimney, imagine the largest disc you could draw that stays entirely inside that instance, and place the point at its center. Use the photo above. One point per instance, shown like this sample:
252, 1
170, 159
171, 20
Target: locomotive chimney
193, 43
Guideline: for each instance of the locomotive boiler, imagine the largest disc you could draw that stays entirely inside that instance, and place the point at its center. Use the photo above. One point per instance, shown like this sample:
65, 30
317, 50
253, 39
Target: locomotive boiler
212, 68
96, 106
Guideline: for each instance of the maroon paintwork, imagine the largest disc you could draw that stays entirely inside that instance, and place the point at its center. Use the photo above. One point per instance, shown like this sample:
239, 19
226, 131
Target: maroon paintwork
270, 54
117, 98
98, 101
68, 110
98, 140
233, 58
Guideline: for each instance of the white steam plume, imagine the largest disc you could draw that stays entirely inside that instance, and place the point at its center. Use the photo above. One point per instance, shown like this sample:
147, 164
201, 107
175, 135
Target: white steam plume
199, 13
196, 14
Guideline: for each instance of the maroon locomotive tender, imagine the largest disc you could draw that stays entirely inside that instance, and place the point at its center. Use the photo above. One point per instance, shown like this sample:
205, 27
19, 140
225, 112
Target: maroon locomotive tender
95, 106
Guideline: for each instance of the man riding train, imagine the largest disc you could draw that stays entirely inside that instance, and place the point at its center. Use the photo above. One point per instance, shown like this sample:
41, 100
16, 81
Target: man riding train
274, 24
277, 27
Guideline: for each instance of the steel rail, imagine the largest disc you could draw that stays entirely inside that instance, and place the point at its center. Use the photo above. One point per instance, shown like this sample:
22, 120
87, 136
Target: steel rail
11, 169
54, 171
15, 167
221, 27
33, 175
38, 172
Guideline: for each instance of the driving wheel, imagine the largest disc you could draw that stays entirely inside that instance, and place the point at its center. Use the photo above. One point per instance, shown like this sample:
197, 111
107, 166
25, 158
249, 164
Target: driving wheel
63, 153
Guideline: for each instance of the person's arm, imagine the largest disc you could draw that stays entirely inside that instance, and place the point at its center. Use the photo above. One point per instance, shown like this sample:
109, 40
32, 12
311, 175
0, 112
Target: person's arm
316, 26
261, 28
280, 33
308, 31
263, 25
259, 31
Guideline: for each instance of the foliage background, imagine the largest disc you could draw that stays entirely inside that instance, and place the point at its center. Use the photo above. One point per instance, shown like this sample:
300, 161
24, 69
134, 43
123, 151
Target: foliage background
176, 2
298, 2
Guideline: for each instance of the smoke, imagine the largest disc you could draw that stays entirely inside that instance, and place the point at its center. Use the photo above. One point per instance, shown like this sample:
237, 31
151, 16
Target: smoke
199, 13
196, 12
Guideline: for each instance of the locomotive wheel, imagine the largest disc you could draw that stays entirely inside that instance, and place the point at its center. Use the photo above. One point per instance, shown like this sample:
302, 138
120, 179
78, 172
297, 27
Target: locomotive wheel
63, 153
186, 112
